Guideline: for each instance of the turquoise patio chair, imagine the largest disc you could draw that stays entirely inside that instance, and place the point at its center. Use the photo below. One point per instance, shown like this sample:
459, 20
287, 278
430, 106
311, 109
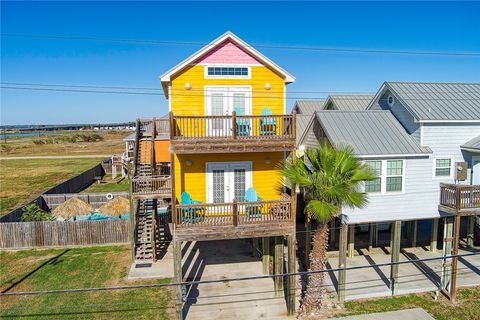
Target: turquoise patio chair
193, 214
268, 125
252, 210
243, 125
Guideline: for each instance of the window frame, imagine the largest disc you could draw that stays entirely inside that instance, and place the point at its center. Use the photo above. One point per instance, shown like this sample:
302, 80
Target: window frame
207, 76
379, 177
383, 177
402, 176
434, 165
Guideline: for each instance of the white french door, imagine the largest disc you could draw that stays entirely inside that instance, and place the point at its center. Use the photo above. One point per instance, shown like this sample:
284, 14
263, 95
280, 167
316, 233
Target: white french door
228, 180
222, 101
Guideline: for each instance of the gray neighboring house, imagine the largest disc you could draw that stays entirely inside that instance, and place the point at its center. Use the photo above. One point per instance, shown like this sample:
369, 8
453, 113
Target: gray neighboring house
416, 136
348, 102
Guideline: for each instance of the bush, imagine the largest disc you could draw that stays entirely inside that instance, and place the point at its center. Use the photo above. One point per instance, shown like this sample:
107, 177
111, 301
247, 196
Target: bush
6, 148
33, 212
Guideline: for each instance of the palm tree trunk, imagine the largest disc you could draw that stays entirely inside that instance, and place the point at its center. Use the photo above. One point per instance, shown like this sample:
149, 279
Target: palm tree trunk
312, 299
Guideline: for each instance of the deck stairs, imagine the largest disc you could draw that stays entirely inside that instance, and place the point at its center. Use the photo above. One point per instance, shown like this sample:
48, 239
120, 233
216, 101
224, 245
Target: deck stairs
144, 232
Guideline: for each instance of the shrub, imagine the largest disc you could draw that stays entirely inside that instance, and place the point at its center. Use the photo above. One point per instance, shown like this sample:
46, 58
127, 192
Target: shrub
33, 212
6, 148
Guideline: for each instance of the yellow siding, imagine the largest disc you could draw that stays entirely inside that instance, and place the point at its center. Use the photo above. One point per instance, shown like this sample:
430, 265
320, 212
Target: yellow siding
266, 178
192, 102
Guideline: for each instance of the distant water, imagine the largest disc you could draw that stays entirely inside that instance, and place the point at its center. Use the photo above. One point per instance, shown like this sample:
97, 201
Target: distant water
24, 134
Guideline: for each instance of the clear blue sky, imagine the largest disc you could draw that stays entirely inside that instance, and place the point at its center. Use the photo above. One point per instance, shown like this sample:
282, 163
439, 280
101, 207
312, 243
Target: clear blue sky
424, 26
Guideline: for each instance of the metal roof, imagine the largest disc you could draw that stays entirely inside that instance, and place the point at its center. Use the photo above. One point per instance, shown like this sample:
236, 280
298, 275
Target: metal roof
370, 133
438, 101
308, 106
303, 120
350, 102
473, 144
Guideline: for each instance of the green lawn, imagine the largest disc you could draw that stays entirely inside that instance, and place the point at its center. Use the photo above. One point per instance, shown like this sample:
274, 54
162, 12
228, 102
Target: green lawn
21, 180
33, 270
108, 185
467, 306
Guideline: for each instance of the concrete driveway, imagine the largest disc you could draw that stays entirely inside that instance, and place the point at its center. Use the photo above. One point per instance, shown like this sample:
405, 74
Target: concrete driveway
250, 299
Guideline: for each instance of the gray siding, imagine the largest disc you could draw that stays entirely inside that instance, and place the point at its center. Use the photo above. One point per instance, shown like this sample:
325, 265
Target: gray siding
314, 135
419, 200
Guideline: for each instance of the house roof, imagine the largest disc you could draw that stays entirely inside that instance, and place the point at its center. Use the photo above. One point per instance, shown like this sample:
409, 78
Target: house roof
473, 144
303, 121
165, 78
308, 106
370, 133
350, 102
436, 102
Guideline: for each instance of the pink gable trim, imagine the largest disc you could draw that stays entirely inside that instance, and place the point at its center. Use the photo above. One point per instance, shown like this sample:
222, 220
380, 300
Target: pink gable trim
227, 53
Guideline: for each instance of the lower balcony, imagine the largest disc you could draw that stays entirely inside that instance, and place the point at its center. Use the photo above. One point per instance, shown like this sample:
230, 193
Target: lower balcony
460, 199
151, 187
235, 220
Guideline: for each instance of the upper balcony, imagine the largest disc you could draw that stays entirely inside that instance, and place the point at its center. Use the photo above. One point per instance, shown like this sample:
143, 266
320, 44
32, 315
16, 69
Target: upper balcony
460, 199
232, 133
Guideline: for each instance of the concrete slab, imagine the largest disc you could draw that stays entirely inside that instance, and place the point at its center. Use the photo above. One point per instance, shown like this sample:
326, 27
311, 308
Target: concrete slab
250, 299
410, 314
413, 277
163, 268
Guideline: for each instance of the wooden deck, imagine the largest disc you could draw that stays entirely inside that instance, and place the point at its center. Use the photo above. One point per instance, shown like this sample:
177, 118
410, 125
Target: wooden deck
151, 187
209, 221
252, 133
460, 199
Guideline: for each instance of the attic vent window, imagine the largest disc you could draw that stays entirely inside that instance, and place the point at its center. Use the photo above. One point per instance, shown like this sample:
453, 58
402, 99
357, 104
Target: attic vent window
227, 72
390, 100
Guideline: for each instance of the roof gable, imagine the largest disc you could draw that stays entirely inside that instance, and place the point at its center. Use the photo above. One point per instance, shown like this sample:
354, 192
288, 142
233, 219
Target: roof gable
436, 102
228, 52
349, 102
215, 44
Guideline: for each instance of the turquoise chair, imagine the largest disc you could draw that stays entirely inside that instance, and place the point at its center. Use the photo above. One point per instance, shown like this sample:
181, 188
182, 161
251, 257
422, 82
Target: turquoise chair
253, 210
243, 125
268, 124
190, 214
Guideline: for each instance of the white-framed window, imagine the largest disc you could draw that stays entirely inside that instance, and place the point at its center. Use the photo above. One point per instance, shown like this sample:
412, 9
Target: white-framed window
376, 184
390, 176
394, 177
215, 72
442, 167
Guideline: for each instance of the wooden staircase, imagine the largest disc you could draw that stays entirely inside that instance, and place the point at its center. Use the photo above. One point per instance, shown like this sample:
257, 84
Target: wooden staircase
144, 233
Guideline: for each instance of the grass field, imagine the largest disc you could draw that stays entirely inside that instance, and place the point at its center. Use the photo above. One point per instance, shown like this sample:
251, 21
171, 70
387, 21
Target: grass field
112, 143
467, 306
38, 270
21, 180
117, 185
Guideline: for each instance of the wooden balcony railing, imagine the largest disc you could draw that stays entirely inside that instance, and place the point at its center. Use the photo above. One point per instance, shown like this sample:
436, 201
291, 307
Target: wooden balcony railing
460, 197
161, 127
232, 133
232, 214
151, 186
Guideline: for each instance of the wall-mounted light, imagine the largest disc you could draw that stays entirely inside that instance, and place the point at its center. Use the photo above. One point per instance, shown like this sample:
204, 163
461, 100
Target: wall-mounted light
189, 163
268, 160
188, 86
268, 86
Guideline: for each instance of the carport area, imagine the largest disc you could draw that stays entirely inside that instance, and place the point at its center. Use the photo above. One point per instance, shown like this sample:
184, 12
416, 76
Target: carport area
226, 259
412, 277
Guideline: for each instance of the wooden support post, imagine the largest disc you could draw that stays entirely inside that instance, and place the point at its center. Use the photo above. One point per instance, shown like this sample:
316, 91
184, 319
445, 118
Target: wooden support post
266, 255
447, 251
333, 225
153, 159
371, 235
342, 262
470, 230
456, 242
351, 240
256, 247
177, 270
308, 240
235, 215
395, 256
434, 235
154, 230
172, 179
133, 218
414, 233
278, 265
291, 242
234, 125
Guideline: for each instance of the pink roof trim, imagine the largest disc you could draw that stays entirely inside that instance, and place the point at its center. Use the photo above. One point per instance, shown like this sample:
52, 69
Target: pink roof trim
227, 53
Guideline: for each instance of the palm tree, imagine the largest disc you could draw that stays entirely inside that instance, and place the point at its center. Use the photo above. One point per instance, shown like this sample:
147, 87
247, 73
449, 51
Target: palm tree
329, 179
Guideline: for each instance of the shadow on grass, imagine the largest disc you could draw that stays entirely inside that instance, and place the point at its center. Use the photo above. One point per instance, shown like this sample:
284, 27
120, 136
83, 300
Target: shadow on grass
53, 260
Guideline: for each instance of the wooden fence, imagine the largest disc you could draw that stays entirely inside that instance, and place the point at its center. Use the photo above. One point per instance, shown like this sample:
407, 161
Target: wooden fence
22, 235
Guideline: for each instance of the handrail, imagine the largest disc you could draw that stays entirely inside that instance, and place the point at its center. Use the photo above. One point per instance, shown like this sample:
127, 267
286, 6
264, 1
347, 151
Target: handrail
459, 197
136, 147
144, 185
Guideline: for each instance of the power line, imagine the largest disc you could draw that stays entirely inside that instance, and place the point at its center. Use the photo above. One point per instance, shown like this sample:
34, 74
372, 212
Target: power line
283, 47
300, 273
203, 95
